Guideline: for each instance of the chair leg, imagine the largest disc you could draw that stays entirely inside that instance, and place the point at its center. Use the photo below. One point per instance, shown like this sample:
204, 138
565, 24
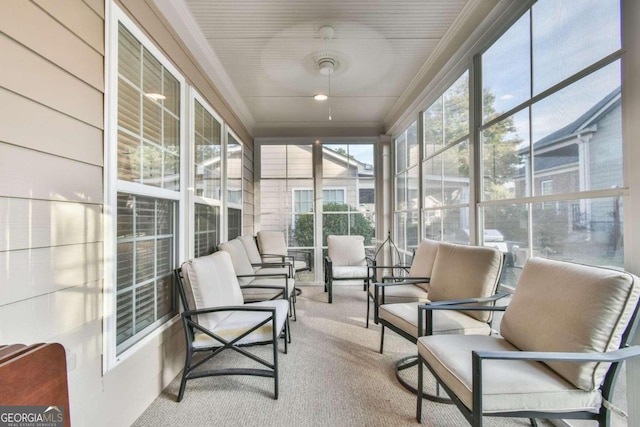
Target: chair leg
368, 304
287, 336
419, 398
275, 364
381, 338
533, 421
185, 372
292, 309
330, 289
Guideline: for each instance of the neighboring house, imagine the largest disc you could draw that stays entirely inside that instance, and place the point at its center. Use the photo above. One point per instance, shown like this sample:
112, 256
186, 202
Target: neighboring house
346, 181
585, 155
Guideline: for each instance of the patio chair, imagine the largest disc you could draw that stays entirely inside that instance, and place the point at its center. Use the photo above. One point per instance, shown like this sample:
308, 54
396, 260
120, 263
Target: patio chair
266, 266
216, 318
460, 273
563, 339
261, 285
272, 245
412, 287
346, 260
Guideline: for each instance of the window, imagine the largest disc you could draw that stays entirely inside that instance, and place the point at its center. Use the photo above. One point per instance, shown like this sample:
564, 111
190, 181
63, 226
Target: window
346, 169
234, 186
333, 196
406, 209
207, 177
445, 176
552, 127
286, 189
302, 201
146, 189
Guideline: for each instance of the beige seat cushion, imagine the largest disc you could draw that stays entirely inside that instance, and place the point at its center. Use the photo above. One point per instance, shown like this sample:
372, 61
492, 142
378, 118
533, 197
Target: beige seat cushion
423, 260
560, 306
513, 385
210, 281
261, 289
271, 243
251, 249
346, 251
462, 271
239, 258
405, 317
344, 272
239, 322
401, 293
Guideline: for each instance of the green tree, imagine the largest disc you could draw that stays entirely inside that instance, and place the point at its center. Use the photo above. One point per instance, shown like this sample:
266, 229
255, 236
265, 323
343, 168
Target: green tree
351, 222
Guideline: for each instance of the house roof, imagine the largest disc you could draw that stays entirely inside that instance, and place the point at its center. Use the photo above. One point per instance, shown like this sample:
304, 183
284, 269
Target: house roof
589, 117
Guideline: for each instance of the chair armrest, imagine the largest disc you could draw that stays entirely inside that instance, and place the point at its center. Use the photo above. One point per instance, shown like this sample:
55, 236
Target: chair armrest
413, 281
381, 285
284, 293
456, 305
267, 275
271, 264
477, 357
200, 311
433, 305
280, 256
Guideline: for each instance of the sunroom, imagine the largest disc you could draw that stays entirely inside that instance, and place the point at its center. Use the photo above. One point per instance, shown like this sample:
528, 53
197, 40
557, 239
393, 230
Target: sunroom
138, 134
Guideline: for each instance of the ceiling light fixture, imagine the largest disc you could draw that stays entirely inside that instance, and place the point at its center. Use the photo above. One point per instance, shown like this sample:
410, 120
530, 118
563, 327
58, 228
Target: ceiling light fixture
327, 62
320, 97
326, 65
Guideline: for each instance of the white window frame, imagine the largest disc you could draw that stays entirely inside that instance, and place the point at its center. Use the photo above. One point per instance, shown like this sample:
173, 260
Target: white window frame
226, 205
192, 198
112, 186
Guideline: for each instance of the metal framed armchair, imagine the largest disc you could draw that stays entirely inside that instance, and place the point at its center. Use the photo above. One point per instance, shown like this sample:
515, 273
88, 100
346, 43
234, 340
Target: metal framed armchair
460, 274
273, 246
410, 287
265, 266
261, 284
216, 318
563, 339
346, 260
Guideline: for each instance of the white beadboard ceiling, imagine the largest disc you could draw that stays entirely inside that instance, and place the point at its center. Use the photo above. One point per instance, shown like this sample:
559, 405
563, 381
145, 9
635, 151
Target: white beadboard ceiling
268, 51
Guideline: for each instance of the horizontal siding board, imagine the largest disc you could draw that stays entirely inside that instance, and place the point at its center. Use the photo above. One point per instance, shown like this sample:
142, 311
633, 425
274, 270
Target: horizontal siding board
32, 273
97, 6
36, 78
79, 17
50, 314
49, 39
28, 224
55, 133
30, 174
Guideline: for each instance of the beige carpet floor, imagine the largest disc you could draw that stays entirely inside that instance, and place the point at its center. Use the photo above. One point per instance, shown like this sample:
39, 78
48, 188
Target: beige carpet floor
333, 375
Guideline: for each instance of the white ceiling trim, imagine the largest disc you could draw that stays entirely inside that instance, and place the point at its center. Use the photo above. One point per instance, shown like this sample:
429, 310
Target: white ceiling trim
189, 31
458, 24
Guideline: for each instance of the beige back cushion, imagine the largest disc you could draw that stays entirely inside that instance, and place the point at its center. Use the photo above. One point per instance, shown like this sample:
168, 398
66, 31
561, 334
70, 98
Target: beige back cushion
561, 306
346, 250
272, 243
422, 264
210, 281
239, 259
462, 271
250, 248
